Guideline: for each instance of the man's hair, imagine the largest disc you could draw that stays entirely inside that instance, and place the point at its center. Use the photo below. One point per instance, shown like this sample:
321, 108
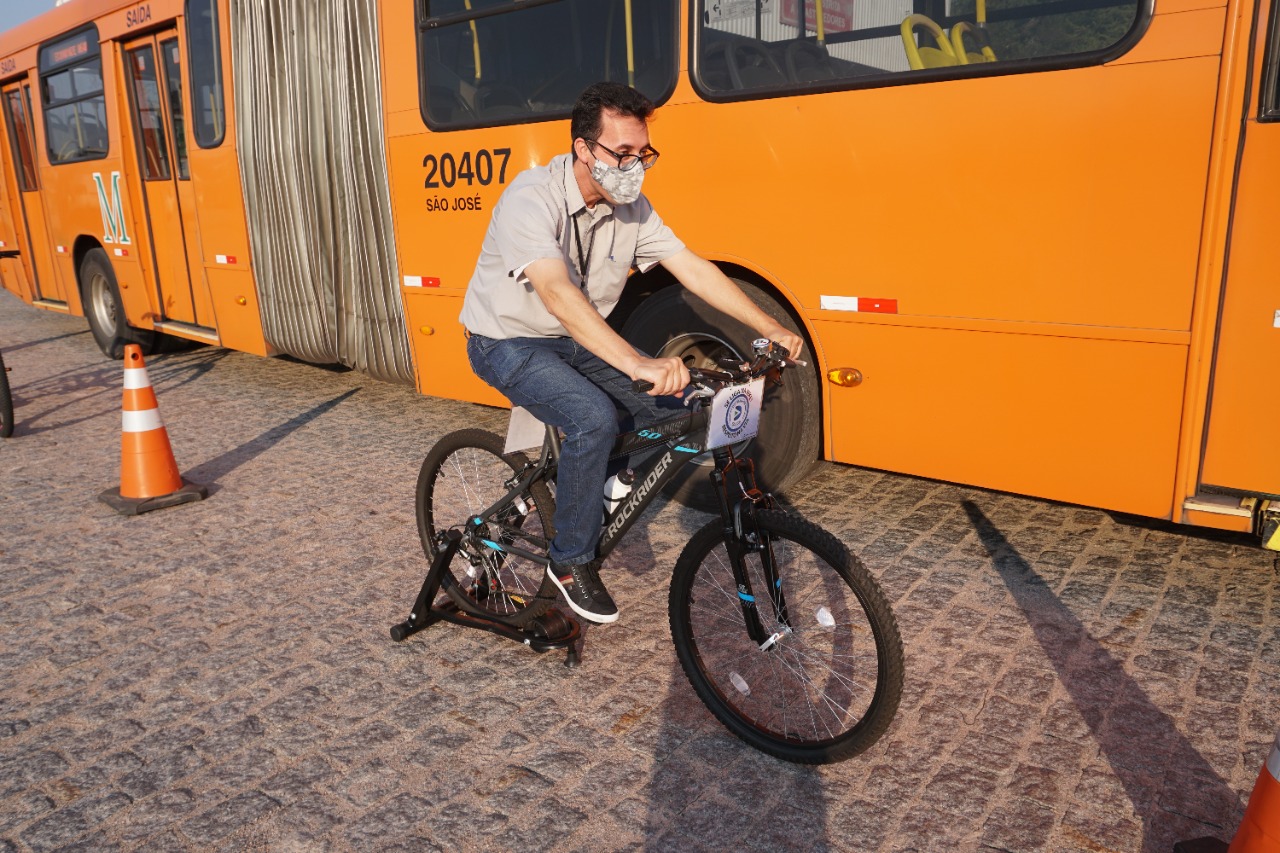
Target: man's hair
598, 97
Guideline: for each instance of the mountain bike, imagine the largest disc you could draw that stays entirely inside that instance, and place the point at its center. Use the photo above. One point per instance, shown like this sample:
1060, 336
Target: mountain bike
781, 631
6, 402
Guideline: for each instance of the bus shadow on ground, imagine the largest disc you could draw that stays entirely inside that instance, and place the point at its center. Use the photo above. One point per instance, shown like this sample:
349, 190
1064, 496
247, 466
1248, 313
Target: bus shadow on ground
1163, 775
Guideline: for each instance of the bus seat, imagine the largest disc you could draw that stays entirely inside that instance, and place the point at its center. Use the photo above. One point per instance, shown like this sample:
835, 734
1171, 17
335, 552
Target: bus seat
982, 50
447, 105
751, 66
926, 57
499, 99
713, 67
807, 62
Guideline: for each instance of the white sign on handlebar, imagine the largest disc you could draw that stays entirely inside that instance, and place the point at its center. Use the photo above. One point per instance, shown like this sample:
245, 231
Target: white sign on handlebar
735, 413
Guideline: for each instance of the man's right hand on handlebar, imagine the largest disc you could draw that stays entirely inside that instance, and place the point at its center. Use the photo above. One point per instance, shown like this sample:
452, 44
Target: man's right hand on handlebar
668, 376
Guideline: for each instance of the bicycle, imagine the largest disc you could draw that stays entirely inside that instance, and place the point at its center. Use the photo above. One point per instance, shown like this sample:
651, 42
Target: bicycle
6, 401
781, 631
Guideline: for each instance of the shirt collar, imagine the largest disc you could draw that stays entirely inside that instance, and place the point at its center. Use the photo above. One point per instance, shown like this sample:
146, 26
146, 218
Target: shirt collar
573, 200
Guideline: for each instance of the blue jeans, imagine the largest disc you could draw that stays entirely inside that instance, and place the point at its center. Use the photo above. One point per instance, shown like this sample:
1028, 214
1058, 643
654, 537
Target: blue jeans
564, 385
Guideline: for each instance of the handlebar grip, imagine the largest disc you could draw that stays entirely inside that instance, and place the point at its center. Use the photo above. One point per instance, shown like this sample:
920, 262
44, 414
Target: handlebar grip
641, 386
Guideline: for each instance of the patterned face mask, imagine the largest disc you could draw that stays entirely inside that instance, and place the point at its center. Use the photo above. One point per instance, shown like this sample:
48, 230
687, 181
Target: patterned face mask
621, 187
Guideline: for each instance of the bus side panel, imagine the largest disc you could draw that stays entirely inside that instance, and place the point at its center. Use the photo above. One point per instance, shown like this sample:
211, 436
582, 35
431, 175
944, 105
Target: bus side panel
1085, 421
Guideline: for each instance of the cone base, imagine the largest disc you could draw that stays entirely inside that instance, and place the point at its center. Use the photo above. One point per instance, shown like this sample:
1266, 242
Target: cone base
136, 506
1201, 845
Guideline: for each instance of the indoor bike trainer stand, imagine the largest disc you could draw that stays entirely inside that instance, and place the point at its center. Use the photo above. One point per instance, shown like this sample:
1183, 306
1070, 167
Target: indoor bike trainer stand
551, 630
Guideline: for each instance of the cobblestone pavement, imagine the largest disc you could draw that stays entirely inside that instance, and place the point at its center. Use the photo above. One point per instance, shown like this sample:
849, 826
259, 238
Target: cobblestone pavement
218, 676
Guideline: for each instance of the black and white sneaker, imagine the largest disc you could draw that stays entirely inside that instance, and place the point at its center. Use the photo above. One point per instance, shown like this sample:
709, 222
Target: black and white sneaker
584, 592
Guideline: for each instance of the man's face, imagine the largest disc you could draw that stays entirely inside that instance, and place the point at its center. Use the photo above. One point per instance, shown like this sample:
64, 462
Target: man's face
621, 133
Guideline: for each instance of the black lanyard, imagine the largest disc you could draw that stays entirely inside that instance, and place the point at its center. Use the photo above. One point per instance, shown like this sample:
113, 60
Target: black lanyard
583, 269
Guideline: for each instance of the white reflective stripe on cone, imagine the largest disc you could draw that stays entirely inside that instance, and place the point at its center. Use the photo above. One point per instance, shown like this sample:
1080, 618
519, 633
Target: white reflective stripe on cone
135, 378
1273, 760
141, 421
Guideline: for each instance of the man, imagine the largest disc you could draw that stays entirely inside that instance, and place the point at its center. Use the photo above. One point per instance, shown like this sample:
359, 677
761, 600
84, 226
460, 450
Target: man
561, 243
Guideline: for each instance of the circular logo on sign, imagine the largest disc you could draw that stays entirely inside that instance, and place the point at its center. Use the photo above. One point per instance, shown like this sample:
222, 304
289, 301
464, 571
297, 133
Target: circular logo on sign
737, 412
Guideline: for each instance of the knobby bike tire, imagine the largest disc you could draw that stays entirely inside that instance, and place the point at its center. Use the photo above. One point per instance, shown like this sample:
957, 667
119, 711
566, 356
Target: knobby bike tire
830, 684
6, 402
463, 475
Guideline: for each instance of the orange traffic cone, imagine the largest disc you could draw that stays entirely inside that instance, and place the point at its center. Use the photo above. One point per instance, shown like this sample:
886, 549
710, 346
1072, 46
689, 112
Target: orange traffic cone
149, 476
1259, 832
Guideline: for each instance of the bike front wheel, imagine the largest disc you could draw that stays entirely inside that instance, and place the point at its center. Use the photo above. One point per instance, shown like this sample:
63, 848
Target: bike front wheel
822, 679
464, 475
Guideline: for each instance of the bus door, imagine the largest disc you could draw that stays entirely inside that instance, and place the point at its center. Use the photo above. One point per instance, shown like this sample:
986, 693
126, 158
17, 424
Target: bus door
154, 76
31, 234
1244, 404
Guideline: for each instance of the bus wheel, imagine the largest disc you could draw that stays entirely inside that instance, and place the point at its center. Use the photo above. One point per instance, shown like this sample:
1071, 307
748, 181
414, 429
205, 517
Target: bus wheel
674, 322
101, 298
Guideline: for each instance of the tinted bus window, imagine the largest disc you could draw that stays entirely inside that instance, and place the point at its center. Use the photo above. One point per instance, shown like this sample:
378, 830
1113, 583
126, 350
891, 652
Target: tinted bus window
500, 62
20, 140
775, 46
75, 110
154, 148
204, 55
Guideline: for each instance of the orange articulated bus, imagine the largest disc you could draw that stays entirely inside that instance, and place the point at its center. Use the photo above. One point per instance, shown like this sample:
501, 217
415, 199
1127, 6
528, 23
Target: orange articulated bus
1024, 239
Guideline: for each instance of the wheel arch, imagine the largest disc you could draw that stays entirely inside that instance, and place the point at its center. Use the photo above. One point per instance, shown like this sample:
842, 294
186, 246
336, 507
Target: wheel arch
643, 285
83, 245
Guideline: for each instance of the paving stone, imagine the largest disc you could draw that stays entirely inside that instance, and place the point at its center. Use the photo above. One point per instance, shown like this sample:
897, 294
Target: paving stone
227, 817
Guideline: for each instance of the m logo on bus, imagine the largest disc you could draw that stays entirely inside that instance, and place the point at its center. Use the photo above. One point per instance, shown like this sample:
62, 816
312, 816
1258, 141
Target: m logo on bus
113, 227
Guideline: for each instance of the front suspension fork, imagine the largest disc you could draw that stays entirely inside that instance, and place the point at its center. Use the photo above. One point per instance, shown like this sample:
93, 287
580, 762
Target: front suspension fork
742, 536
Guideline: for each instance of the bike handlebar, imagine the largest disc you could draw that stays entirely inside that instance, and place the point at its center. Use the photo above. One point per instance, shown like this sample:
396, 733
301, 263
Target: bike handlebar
769, 356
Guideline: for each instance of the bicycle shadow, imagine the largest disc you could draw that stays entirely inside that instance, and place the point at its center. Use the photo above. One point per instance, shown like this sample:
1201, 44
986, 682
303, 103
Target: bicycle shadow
1154, 763
102, 382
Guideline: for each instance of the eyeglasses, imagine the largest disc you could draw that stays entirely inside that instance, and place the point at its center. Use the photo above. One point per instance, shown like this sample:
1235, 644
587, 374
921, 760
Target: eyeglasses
627, 162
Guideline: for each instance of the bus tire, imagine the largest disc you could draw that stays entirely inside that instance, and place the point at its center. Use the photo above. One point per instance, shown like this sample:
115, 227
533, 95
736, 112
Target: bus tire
674, 322
100, 296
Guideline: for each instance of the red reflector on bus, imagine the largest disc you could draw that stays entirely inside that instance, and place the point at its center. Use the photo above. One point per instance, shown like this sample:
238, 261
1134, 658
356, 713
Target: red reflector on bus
421, 281
877, 306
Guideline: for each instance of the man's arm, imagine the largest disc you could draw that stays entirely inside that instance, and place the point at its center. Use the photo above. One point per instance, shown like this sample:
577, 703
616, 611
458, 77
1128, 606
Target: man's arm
705, 280
566, 302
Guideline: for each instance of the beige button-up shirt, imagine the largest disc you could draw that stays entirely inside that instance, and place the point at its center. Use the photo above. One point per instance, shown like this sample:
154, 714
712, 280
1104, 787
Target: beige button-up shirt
534, 219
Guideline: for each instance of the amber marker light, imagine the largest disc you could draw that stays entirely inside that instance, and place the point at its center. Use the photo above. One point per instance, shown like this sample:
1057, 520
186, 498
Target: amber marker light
845, 377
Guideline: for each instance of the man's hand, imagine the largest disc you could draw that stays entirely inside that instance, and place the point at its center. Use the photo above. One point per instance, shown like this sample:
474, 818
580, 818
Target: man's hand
782, 335
668, 375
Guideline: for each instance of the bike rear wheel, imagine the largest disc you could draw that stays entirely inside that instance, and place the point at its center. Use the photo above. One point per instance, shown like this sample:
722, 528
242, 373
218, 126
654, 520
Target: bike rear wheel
6, 402
828, 684
465, 473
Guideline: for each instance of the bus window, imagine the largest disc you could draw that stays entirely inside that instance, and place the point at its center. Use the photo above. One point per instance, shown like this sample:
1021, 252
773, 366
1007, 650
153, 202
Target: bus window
75, 109
20, 141
173, 82
773, 47
486, 62
152, 146
204, 55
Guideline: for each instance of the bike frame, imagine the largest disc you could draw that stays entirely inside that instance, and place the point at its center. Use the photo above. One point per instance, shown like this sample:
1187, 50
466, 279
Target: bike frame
684, 439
